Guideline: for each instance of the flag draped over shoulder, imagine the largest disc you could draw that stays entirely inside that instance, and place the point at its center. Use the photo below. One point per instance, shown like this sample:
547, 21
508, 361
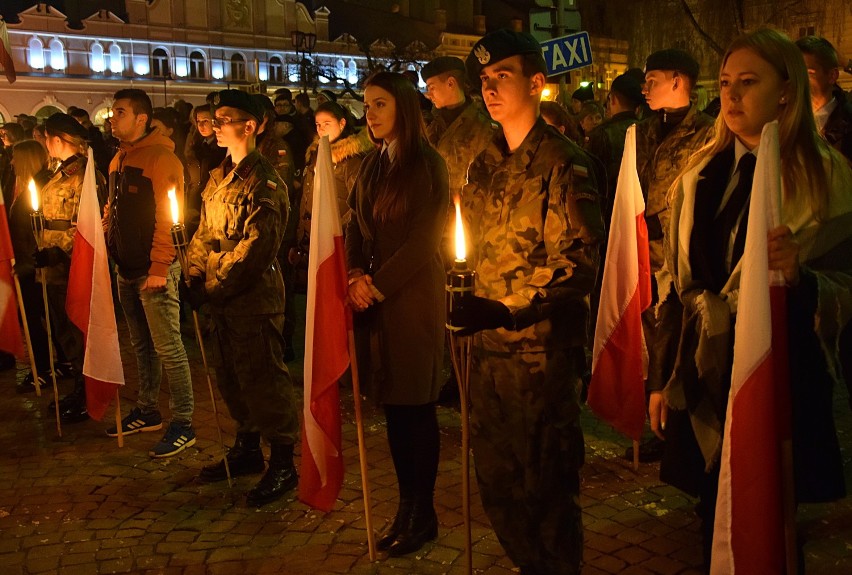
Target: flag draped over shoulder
6, 54
619, 357
11, 340
749, 528
326, 344
89, 301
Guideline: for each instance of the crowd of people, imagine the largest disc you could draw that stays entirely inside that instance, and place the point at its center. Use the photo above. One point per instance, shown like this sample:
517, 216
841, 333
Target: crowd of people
536, 183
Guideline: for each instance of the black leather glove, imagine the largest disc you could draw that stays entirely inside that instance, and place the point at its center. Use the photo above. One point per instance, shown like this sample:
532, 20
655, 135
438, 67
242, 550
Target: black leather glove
196, 294
479, 313
47, 257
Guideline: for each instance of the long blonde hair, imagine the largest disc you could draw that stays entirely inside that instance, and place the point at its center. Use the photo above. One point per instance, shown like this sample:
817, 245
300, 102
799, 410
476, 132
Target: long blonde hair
803, 152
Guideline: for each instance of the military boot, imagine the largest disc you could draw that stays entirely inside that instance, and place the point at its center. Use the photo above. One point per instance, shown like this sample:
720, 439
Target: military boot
72, 407
422, 526
244, 458
403, 513
280, 478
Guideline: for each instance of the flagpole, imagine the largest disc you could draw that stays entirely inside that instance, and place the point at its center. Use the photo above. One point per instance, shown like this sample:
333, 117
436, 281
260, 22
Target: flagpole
362, 451
460, 355
118, 419
27, 338
50, 352
635, 455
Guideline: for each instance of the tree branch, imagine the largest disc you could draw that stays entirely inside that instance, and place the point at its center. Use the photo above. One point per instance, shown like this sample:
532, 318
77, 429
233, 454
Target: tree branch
716, 48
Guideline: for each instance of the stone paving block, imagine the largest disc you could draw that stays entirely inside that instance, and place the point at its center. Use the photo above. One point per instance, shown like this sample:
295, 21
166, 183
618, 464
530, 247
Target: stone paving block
664, 565
70, 559
188, 558
608, 564
41, 563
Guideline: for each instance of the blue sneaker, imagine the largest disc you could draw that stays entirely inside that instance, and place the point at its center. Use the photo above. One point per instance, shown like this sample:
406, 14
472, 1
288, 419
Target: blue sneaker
136, 422
177, 438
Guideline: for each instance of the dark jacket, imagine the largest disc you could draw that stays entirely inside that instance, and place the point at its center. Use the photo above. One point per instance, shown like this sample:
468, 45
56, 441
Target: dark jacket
606, 142
21, 227
202, 155
401, 339
139, 221
838, 128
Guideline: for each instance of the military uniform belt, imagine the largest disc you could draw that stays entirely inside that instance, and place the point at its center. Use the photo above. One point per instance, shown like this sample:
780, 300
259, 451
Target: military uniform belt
223, 245
57, 225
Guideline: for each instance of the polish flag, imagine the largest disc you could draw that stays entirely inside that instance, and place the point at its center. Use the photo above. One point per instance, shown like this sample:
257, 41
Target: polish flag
749, 535
326, 344
6, 53
89, 301
619, 356
10, 329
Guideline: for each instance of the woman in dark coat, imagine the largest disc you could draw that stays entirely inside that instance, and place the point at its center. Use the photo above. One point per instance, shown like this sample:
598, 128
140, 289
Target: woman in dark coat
396, 283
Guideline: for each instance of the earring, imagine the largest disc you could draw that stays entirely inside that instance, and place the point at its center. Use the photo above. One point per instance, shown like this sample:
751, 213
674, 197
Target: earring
783, 100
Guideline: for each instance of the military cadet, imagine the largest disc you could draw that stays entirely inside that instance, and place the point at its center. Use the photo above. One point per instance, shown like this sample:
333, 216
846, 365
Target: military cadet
233, 263
534, 217
665, 140
60, 199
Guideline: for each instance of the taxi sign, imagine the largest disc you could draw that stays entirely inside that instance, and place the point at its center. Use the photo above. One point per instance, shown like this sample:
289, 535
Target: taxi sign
567, 53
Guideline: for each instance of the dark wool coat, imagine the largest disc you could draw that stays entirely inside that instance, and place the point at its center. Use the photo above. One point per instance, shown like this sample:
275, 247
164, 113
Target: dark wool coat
401, 339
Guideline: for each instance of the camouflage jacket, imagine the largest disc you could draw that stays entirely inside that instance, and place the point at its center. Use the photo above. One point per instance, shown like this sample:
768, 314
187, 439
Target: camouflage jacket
280, 155
660, 161
606, 142
535, 223
60, 201
460, 141
243, 216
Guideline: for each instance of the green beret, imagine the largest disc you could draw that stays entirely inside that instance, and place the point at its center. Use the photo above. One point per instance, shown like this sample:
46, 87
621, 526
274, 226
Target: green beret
60, 123
440, 65
675, 60
499, 45
239, 100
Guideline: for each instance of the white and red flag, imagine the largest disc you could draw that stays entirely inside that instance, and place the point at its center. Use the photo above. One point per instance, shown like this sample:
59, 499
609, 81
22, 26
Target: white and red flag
10, 329
619, 355
89, 301
6, 53
326, 344
749, 534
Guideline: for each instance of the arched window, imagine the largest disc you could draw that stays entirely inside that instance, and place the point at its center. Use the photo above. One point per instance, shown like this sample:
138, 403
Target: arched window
238, 67
116, 65
197, 68
340, 70
276, 67
57, 54
353, 72
159, 63
97, 58
35, 53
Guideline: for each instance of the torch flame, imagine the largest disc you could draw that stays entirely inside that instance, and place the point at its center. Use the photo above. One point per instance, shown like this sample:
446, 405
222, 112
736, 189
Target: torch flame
33, 194
460, 247
174, 205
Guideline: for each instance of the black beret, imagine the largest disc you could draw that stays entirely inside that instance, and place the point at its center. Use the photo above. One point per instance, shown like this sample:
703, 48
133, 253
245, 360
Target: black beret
627, 86
60, 123
440, 65
584, 93
239, 100
264, 102
499, 45
673, 59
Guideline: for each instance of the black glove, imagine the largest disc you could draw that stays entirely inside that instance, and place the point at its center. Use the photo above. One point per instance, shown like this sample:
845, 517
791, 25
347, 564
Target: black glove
480, 313
196, 294
48, 257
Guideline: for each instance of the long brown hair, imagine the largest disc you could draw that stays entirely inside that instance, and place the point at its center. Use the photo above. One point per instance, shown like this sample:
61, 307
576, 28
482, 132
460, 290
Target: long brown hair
391, 200
30, 158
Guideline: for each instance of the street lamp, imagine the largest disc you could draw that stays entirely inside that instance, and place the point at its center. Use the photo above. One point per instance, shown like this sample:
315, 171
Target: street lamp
304, 45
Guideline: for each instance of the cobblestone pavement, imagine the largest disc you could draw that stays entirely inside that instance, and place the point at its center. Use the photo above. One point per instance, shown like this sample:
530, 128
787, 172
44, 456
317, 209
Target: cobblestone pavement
80, 505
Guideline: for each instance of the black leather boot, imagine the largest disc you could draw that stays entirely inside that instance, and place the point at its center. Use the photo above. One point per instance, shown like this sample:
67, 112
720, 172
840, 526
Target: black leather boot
422, 526
403, 513
280, 478
244, 458
72, 407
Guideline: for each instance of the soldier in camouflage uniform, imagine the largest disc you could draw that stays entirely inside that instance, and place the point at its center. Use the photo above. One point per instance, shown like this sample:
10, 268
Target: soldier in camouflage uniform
535, 222
60, 198
232, 260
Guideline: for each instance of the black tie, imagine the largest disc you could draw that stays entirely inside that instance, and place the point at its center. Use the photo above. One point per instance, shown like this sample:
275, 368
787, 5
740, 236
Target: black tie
737, 206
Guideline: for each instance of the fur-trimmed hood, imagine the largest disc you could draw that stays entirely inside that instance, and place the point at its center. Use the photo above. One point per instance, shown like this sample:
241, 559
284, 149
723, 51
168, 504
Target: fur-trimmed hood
352, 145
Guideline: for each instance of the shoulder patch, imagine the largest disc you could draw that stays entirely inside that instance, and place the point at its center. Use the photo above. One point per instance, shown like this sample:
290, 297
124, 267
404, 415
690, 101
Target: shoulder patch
581, 171
282, 152
268, 202
271, 185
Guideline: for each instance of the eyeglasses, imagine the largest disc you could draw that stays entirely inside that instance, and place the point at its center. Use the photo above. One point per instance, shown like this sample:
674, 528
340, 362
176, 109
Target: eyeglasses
219, 122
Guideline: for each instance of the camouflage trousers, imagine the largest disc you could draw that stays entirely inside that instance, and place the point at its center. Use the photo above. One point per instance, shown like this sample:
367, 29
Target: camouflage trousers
252, 376
528, 450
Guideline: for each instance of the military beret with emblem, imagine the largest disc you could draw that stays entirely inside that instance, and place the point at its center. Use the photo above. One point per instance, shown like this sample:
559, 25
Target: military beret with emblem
673, 59
60, 123
583, 93
499, 45
440, 65
239, 100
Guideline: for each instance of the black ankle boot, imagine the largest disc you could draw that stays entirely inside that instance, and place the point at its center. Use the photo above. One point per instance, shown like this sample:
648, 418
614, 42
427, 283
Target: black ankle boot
244, 458
422, 526
280, 478
403, 513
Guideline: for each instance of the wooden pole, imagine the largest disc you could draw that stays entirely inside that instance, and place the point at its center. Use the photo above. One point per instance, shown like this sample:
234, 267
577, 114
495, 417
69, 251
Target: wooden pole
362, 450
789, 495
460, 355
50, 352
27, 338
635, 455
200, 341
120, 431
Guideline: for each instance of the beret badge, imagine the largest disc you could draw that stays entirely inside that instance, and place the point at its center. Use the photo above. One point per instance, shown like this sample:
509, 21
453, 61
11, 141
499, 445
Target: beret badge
482, 54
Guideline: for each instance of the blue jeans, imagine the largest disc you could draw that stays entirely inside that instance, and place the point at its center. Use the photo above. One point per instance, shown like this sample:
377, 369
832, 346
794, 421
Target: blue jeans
154, 322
